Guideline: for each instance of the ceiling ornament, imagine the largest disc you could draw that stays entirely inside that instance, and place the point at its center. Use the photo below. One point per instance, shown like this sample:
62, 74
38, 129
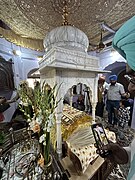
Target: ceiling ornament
101, 45
65, 7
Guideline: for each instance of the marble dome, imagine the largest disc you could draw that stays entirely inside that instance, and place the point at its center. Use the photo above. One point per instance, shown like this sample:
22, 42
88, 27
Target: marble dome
68, 37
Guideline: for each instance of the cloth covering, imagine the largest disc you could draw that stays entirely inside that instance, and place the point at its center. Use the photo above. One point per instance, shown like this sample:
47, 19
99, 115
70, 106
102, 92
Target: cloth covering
85, 152
124, 42
72, 119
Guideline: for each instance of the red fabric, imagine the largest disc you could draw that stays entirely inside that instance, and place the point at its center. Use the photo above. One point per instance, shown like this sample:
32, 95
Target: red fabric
1, 117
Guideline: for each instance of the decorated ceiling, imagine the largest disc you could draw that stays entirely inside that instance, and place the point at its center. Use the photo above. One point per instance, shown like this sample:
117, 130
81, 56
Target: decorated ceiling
30, 20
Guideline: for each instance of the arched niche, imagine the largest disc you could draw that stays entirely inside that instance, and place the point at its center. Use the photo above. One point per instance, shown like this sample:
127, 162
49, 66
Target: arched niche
33, 77
67, 79
77, 91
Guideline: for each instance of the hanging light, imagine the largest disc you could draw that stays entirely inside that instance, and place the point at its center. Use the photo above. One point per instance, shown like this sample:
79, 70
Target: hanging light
101, 45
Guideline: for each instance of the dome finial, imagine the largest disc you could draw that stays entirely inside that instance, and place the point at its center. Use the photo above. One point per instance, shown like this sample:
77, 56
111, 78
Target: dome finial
65, 16
65, 7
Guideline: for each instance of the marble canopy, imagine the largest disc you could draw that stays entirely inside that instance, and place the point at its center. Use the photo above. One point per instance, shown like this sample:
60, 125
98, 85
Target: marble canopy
66, 62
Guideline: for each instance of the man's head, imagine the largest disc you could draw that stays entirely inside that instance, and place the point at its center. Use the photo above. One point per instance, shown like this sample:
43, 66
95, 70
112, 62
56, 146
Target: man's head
113, 79
101, 79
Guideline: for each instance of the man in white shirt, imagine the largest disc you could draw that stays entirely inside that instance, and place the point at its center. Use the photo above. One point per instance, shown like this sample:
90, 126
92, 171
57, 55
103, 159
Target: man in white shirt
115, 92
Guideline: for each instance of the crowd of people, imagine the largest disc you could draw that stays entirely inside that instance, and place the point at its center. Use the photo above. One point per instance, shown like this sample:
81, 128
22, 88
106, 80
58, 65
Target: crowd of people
113, 98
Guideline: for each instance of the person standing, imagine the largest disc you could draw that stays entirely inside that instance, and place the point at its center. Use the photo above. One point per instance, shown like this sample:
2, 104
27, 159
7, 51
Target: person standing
100, 103
115, 92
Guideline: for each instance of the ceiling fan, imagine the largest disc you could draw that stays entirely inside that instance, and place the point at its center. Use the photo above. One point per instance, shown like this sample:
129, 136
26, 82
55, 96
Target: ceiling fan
99, 47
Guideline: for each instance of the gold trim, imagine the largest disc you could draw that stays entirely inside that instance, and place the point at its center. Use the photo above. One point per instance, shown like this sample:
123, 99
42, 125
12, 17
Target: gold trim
21, 41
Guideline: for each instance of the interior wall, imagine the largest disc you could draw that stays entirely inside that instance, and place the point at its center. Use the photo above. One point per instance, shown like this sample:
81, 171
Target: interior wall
23, 63
115, 68
109, 56
114, 62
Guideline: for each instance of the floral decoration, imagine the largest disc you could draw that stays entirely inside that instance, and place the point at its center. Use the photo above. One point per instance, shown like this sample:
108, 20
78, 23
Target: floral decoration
42, 102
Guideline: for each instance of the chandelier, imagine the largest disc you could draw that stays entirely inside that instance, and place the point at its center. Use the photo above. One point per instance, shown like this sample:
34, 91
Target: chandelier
65, 7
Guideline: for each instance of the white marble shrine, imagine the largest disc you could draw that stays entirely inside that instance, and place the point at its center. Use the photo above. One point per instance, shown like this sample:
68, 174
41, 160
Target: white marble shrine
66, 61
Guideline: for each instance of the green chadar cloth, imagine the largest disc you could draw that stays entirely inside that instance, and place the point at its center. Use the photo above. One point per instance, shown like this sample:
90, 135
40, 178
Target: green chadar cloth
124, 42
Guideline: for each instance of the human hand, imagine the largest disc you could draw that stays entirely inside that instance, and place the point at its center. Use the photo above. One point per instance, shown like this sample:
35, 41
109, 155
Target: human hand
2, 100
131, 88
127, 95
118, 155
